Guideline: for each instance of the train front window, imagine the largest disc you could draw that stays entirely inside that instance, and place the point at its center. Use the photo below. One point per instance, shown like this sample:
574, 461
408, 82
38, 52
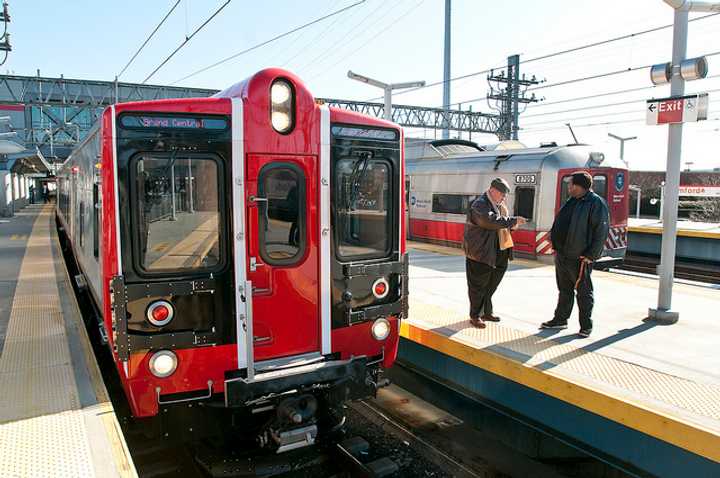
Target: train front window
177, 212
362, 201
600, 186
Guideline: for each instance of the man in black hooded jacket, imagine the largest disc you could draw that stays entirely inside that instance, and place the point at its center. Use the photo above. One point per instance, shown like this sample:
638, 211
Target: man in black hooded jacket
578, 236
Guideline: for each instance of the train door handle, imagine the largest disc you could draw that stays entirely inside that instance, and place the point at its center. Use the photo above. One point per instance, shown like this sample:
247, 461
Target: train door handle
254, 264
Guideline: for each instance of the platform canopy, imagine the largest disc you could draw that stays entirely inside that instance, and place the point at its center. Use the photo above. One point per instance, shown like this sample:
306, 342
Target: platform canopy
29, 162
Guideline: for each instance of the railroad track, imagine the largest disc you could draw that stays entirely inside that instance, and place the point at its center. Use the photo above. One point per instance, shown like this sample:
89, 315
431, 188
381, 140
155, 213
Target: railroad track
705, 272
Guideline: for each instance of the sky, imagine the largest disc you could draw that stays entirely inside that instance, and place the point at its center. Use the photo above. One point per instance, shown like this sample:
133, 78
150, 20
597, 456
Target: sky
396, 41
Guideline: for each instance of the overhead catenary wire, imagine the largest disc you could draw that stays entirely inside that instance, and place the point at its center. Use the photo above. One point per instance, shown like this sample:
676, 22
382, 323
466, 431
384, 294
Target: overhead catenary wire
374, 37
546, 56
592, 125
586, 108
148, 39
334, 47
187, 39
266, 42
584, 78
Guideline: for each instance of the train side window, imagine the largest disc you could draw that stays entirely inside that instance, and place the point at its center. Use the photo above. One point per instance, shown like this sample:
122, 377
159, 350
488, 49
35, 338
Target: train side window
281, 219
600, 185
525, 202
96, 222
452, 203
81, 219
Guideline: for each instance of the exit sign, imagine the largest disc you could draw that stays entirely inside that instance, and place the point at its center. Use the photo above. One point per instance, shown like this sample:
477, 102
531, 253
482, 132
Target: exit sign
678, 109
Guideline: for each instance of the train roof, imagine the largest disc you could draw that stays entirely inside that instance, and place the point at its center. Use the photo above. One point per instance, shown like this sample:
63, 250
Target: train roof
453, 156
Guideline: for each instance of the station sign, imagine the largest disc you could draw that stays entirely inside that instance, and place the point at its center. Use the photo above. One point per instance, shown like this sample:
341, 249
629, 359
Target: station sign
678, 109
700, 191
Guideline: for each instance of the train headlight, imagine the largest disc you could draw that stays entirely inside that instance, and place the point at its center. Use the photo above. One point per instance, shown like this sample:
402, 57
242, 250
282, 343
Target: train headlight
163, 363
282, 102
160, 313
380, 329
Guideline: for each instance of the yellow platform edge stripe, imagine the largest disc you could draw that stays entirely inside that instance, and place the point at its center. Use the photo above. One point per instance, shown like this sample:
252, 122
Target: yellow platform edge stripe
637, 416
681, 232
104, 408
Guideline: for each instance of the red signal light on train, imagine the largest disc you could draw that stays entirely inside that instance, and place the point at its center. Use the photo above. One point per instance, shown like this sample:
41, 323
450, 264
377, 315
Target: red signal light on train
160, 313
75, 169
380, 288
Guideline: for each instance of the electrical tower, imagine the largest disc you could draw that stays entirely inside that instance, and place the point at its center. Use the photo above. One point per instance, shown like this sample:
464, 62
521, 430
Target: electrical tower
5, 38
507, 90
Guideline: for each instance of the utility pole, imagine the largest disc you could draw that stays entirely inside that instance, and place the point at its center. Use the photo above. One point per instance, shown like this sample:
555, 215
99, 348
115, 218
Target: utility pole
446, 70
387, 87
505, 90
663, 312
622, 146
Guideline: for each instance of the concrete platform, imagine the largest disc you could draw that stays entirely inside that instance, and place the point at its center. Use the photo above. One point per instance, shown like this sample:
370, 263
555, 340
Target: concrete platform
648, 395
56, 419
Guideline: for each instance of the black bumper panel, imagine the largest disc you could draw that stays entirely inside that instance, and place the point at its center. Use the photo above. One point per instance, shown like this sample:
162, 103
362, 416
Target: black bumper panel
350, 374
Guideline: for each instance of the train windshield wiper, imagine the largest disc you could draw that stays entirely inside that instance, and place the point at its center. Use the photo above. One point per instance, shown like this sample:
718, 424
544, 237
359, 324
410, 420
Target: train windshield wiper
360, 168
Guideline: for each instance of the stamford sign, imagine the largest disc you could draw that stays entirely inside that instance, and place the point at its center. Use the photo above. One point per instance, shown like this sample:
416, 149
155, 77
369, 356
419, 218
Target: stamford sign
678, 109
700, 191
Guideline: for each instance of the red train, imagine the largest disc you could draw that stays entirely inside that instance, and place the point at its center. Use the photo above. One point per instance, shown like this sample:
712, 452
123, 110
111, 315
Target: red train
245, 252
445, 176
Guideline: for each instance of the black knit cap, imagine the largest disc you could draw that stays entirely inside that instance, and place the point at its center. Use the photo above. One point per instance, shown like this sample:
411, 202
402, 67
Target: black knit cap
501, 185
582, 179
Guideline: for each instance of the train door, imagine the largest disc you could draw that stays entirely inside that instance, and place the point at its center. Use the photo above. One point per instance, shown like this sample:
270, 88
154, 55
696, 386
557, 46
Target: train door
283, 260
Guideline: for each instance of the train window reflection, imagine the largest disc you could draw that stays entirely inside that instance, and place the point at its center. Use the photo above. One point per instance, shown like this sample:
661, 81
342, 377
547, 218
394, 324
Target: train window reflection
525, 202
361, 204
178, 211
282, 229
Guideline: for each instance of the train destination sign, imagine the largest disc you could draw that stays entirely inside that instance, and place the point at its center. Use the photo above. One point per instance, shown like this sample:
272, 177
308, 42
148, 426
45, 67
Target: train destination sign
678, 109
172, 122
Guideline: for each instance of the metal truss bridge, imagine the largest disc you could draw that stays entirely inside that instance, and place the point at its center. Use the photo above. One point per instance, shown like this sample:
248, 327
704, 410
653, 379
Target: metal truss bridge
54, 114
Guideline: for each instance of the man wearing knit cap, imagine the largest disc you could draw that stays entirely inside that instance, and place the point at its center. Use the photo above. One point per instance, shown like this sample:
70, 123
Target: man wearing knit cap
488, 247
578, 236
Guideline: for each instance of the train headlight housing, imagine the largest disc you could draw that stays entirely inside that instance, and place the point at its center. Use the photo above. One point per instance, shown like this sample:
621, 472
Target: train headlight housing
163, 363
282, 102
380, 329
160, 313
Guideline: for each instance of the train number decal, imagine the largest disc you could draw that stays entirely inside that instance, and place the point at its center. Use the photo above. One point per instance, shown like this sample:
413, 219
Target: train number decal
525, 179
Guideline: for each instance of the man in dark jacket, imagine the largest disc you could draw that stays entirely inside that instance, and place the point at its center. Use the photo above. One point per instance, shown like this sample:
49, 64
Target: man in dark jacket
578, 236
486, 262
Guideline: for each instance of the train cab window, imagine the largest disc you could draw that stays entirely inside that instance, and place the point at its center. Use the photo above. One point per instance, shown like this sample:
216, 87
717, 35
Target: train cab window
525, 202
600, 186
281, 214
362, 198
177, 211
